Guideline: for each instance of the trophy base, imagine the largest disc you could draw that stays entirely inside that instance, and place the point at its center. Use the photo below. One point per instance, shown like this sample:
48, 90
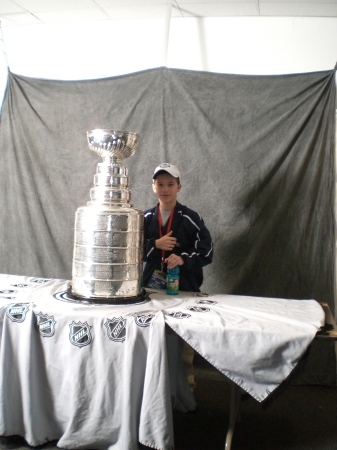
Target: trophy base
97, 288
68, 296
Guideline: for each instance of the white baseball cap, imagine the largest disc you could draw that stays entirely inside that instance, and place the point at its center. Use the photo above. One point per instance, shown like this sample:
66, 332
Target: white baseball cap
169, 168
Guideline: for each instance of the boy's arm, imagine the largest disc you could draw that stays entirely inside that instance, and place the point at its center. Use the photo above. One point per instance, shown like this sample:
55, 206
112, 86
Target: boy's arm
200, 253
166, 243
150, 251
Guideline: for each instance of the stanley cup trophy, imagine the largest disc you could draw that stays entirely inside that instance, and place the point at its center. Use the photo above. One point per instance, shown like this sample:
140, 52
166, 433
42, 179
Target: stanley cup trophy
108, 242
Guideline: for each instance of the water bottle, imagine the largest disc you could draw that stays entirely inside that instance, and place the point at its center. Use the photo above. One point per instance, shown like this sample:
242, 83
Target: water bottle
172, 281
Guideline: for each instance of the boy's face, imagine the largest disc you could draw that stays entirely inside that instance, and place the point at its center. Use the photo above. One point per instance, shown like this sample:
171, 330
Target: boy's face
166, 187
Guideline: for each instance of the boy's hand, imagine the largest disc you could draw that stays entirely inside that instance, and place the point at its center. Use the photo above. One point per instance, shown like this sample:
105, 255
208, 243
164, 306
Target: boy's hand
174, 260
166, 242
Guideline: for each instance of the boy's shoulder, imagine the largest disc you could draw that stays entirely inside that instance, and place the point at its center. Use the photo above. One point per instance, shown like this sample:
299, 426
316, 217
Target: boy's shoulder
150, 211
180, 209
186, 211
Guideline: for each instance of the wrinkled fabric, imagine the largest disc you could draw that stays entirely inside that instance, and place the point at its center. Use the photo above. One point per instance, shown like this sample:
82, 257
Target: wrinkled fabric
109, 393
256, 156
106, 377
256, 342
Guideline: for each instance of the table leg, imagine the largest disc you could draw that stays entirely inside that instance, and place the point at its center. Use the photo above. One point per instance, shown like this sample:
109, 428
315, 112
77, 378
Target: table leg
233, 414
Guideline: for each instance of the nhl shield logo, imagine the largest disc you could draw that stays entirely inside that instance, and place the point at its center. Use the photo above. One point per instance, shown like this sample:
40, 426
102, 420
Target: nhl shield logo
201, 294
179, 315
144, 320
45, 325
17, 311
207, 302
198, 309
80, 334
116, 329
20, 285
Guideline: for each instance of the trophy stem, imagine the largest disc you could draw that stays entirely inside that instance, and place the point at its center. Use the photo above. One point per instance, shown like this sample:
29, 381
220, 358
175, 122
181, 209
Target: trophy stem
111, 160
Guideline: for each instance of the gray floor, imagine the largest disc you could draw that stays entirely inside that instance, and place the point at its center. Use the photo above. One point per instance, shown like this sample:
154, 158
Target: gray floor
301, 418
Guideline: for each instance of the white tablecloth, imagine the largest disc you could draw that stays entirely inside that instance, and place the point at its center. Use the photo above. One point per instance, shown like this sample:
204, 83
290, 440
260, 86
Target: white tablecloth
98, 376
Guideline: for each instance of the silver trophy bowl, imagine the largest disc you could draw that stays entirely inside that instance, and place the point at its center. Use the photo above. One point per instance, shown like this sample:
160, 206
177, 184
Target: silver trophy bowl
108, 242
111, 143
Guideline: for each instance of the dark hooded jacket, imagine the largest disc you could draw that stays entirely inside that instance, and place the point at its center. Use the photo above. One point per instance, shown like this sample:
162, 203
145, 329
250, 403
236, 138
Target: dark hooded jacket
194, 245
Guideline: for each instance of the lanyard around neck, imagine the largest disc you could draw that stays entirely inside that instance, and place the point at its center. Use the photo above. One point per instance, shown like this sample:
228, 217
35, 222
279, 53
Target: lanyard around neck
160, 222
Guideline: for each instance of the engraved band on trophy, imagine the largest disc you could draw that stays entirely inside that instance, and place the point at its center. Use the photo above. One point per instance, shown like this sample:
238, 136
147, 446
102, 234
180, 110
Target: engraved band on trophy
108, 242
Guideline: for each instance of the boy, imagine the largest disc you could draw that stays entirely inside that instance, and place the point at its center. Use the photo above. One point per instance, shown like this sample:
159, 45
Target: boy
174, 235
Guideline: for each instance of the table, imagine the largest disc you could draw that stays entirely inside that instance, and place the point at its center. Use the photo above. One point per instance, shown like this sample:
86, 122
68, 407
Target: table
104, 376
328, 333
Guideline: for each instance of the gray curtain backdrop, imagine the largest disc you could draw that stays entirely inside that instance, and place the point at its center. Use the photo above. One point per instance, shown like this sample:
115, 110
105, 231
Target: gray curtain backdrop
256, 155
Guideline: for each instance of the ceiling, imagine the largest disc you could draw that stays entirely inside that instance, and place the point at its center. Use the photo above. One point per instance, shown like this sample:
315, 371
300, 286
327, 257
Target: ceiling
32, 12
